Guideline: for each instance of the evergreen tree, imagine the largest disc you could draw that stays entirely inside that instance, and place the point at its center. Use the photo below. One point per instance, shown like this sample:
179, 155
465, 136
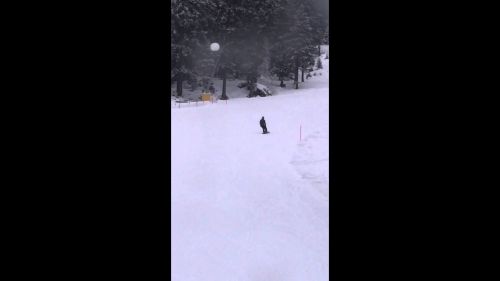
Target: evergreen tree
298, 40
243, 27
282, 35
181, 45
189, 20
280, 64
326, 36
318, 27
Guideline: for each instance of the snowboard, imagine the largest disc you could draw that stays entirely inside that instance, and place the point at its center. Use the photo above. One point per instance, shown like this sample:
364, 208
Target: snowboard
266, 133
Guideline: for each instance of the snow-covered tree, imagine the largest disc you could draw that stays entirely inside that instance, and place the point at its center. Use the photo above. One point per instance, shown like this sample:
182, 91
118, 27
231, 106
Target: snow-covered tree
296, 41
189, 21
280, 64
181, 45
243, 28
256, 36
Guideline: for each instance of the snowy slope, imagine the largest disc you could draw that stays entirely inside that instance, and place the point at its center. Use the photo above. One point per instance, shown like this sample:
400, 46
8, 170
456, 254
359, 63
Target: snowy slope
248, 206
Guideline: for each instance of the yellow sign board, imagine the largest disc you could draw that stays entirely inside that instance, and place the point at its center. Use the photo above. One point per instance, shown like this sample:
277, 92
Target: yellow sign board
206, 97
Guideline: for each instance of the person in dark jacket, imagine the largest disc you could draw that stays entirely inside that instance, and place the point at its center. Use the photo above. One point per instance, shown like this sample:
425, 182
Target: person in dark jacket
211, 89
263, 125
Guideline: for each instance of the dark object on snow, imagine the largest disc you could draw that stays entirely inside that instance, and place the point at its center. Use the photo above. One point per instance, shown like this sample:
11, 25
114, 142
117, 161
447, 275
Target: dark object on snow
261, 92
211, 89
263, 125
319, 64
308, 75
258, 90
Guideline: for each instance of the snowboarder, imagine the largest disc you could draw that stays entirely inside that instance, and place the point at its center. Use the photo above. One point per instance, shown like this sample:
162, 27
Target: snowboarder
263, 125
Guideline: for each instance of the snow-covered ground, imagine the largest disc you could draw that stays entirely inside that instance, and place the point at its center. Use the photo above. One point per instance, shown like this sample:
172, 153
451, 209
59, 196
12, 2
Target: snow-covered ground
248, 206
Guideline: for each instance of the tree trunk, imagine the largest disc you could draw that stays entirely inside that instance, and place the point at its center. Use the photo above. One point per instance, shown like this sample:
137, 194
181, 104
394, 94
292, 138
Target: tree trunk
296, 73
179, 85
282, 84
319, 50
223, 97
302, 74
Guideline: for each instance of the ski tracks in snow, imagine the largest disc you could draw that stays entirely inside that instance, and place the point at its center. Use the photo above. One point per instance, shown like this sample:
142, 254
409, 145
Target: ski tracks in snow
311, 161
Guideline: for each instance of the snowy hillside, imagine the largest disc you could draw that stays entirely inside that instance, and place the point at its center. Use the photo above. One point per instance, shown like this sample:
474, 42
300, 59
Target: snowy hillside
248, 206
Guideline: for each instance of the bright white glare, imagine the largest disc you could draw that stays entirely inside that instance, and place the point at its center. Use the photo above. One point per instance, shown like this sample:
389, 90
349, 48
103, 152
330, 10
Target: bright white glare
214, 47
